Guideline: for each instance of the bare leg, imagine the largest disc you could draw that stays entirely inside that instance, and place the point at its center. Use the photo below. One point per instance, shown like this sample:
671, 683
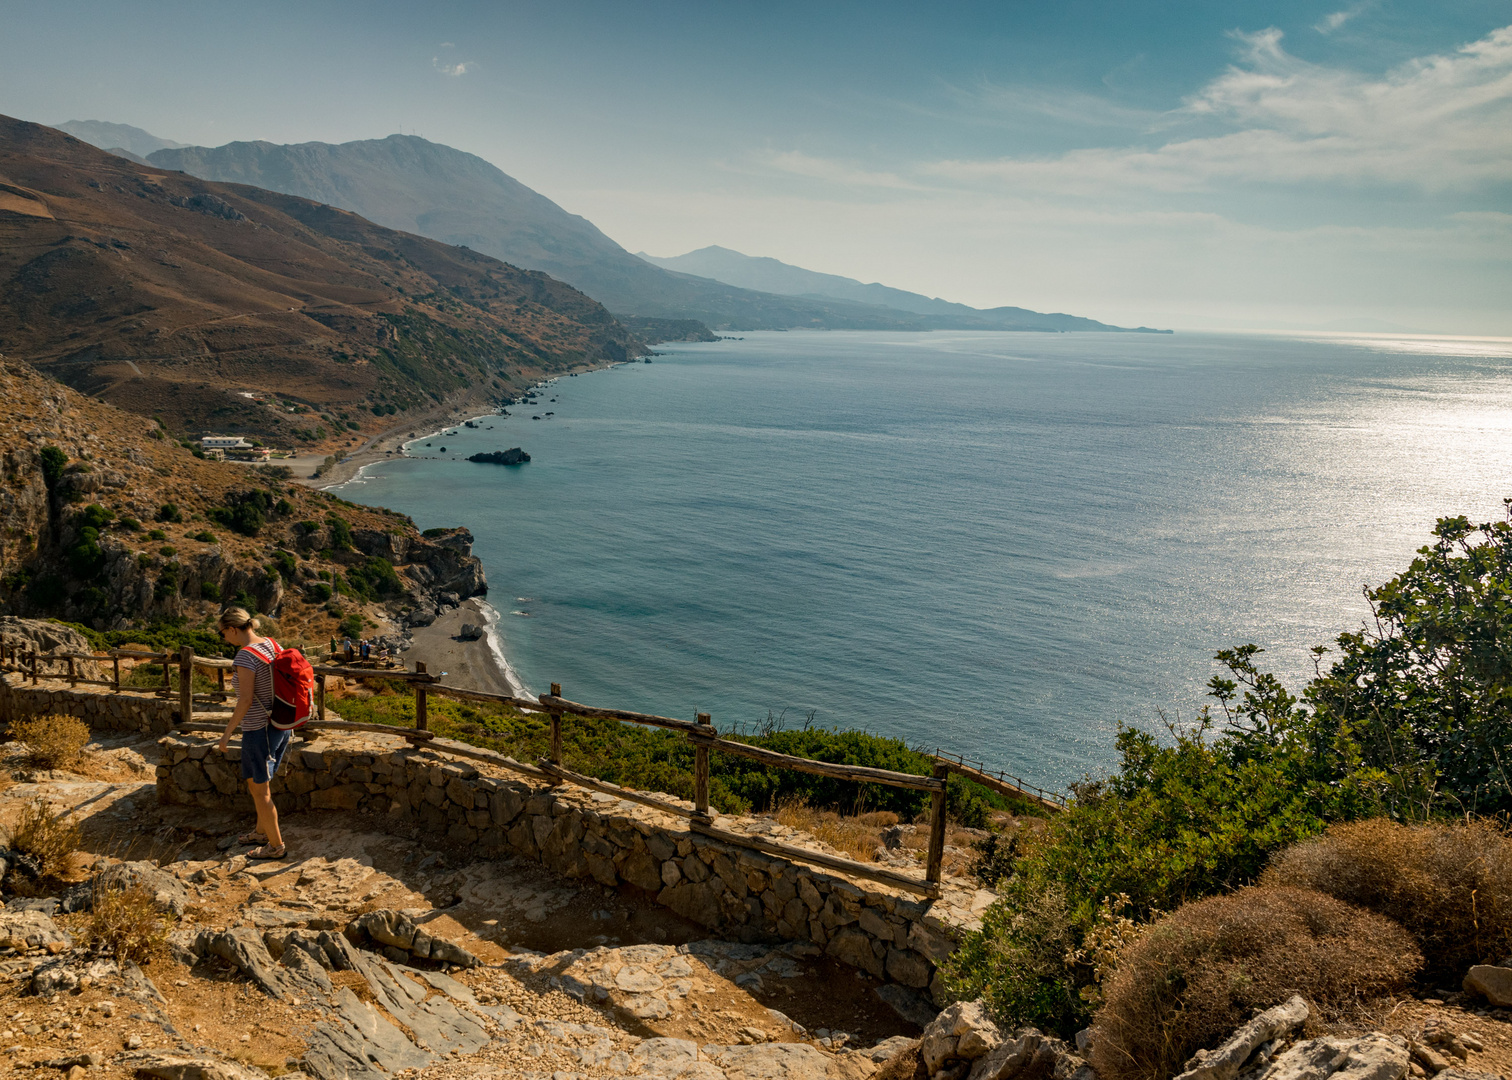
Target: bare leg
267, 813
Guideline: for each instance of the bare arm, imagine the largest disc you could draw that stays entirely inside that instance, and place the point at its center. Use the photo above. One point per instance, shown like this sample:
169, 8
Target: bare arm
243, 703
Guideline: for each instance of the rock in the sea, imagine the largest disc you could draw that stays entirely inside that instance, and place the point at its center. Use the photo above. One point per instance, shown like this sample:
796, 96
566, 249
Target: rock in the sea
513, 456
1491, 982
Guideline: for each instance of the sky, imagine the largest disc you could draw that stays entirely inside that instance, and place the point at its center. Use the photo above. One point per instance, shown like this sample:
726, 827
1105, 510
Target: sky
1197, 164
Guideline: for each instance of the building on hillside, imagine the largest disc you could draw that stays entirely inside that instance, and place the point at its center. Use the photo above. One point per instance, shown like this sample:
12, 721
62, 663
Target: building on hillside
224, 442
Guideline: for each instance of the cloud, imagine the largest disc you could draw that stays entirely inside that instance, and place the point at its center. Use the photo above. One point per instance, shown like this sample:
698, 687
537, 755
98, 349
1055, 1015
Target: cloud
447, 67
796, 163
1332, 22
1441, 122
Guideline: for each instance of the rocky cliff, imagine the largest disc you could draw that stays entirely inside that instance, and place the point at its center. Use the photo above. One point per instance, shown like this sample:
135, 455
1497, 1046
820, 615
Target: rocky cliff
105, 522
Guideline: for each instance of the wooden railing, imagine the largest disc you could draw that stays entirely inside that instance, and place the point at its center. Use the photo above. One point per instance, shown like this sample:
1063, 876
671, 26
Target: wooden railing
700, 732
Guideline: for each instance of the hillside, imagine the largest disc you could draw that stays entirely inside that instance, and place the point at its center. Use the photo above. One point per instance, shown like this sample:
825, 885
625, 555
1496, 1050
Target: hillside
229, 308
409, 183
773, 276
104, 524
116, 137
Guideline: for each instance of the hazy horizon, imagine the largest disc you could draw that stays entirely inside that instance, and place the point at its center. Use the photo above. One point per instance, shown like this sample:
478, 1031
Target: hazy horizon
1276, 165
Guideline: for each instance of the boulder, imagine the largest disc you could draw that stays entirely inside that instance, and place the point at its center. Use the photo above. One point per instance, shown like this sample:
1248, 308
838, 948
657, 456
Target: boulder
1492, 983
1369, 1057
168, 892
963, 1032
1224, 1062
28, 930
167, 1066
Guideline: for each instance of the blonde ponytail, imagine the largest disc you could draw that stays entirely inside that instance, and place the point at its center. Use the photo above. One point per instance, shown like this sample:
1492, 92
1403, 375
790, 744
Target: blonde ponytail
238, 618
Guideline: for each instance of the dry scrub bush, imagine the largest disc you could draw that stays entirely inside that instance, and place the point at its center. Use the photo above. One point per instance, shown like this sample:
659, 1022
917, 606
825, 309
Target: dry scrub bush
1201, 971
859, 837
1449, 885
45, 836
126, 923
53, 741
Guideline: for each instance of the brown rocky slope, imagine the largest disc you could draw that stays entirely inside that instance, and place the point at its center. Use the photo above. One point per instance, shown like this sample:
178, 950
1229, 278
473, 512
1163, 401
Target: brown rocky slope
226, 307
84, 534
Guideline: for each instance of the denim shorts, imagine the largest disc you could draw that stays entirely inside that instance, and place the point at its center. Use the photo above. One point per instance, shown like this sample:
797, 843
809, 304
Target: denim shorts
262, 751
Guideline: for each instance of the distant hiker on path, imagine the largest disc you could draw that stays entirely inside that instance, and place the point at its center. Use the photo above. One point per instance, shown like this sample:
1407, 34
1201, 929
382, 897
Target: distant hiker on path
263, 746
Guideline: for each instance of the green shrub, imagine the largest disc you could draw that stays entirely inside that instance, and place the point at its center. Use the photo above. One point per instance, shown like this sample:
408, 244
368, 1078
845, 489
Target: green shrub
156, 534
167, 551
1204, 970
351, 626
85, 558
284, 565
53, 462
130, 524
1448, 883
374, 579
319, 592
169, 512
209, 590
204, 536
341, 533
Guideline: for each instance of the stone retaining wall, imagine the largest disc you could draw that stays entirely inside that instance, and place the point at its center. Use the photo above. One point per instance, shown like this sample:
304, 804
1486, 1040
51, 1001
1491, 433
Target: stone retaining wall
102, 710
895, 936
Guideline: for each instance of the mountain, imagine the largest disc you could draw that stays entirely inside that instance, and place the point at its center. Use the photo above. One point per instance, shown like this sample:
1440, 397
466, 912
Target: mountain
219, 306
113, 137
409, 183
770, 275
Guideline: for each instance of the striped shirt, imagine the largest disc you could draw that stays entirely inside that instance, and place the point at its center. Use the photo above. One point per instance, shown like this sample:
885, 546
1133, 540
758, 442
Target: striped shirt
258, 659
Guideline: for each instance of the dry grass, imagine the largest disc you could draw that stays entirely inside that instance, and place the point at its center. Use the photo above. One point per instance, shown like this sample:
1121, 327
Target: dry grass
127, 924
859, 837
1202, 971
1449, 885
53, 742
46, 836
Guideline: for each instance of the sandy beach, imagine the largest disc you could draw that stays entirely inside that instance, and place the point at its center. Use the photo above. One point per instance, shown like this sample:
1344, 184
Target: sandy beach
468, 664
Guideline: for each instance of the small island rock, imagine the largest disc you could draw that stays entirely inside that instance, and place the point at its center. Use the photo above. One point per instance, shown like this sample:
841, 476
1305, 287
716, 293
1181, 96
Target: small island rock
513, 456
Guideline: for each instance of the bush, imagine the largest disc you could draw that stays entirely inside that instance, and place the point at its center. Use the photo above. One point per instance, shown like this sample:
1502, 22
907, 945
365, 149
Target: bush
167, 551
1450, 885
130, 524
1205, 969
351, 627
156, 534
209, 590
204, 536
319, 592
52, 741
45, 836
341, 533
53, 463
127, 924
169, 512
284, 565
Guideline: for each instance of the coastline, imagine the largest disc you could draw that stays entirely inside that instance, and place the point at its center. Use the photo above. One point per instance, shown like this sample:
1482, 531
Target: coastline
472, 665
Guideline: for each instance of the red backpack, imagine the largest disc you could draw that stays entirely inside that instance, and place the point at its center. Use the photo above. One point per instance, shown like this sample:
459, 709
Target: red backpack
293, 689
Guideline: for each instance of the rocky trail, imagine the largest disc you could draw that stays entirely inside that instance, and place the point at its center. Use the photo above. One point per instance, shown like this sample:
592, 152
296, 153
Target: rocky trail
374, 952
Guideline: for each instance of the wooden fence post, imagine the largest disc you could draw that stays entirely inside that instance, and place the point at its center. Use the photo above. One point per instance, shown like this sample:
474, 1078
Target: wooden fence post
73, 677
115, 664
186, 684
421, 717
937, 827
701, 768
556, 728
220, 682
167, 690
34, 667
320, 698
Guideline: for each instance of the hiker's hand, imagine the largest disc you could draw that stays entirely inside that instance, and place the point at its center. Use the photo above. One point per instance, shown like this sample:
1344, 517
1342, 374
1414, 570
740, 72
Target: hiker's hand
225, 743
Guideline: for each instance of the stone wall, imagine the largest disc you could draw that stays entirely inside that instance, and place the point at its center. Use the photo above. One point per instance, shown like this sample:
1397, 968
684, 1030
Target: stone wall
893, 935
102, 710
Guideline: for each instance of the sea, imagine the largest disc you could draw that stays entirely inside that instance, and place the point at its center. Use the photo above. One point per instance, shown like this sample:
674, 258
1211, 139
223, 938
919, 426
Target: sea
1005, 545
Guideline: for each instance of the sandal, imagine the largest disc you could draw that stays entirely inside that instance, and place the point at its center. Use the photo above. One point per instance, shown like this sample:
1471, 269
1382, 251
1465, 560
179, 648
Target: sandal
268, 852
253, 837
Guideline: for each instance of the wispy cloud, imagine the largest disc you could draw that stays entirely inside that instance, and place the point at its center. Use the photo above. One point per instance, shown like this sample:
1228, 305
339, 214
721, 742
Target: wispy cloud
1439, 122
796, 163
454, 68
1336, 20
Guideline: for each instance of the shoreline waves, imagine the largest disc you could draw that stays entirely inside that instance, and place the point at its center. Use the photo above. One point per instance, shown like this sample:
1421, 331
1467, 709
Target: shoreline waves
475, 665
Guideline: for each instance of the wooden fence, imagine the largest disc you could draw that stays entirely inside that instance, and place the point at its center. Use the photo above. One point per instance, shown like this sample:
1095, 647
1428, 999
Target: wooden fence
700, 732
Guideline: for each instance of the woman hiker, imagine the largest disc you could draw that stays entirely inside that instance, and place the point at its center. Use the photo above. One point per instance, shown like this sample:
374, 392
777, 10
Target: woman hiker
263, 746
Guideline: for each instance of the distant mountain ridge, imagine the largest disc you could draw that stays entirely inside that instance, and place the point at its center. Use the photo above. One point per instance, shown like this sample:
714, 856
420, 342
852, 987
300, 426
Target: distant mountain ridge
771, 275
409, 183
108, 136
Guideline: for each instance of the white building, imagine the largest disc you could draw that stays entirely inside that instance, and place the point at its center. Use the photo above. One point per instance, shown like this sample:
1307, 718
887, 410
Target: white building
224, 442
